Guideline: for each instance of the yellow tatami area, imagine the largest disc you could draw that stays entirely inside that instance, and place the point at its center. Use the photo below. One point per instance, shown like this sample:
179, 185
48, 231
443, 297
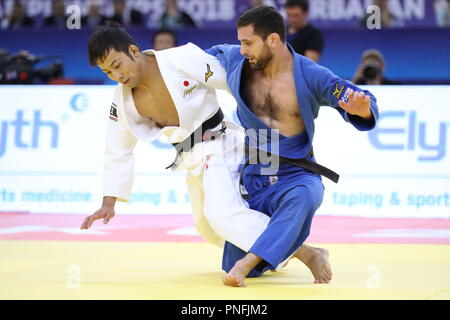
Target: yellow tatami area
179, 271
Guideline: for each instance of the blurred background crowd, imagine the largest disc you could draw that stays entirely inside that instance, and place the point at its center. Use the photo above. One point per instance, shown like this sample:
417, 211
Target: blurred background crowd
411, 45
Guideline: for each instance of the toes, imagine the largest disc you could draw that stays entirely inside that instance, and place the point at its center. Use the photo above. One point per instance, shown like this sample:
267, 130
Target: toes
238, 282
233, 281
225, 280
318, 280
322, 279
229, 281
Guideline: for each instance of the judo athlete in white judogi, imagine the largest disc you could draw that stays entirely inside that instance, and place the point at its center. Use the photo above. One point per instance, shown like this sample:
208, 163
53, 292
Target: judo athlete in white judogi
172, 92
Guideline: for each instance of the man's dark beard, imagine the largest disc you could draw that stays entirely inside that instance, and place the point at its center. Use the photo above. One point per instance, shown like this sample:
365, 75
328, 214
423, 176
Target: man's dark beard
265, 58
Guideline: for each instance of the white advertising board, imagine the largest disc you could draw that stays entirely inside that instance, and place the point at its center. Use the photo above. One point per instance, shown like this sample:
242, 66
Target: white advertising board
52, 141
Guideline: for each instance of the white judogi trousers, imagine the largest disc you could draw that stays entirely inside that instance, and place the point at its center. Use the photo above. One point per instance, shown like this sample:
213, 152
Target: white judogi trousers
212, 179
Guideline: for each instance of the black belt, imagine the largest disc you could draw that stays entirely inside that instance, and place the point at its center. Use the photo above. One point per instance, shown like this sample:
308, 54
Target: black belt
200, 134
300, 162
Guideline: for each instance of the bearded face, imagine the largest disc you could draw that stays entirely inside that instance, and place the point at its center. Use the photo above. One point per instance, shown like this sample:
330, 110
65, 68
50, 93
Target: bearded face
254, 48
262, 59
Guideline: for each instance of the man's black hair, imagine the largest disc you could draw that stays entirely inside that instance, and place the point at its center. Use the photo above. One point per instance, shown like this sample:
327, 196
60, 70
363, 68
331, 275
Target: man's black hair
304, 4
265, 20
105, 38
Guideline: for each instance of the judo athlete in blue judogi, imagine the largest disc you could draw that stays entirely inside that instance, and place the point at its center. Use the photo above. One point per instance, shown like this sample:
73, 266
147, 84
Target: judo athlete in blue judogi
276, 88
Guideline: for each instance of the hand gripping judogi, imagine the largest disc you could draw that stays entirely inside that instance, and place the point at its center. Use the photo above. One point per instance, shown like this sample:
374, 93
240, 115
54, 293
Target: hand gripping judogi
210, 157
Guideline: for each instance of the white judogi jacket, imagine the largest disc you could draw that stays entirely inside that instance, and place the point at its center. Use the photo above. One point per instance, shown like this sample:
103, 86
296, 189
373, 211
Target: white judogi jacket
185, 70
195, 102
191, 76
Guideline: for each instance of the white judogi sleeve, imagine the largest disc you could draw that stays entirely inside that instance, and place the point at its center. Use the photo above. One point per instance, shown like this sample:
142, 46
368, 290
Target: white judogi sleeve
201, 66
118, 172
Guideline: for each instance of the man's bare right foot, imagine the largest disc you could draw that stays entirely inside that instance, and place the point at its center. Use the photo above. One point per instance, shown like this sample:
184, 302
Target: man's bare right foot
236, 276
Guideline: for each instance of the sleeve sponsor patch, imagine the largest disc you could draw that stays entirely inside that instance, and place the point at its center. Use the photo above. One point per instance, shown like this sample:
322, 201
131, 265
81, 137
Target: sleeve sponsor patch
208, 73
341, 92
338, 91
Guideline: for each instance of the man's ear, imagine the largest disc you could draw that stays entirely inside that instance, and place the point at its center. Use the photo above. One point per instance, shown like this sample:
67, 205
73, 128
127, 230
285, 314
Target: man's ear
133, 50
274, 40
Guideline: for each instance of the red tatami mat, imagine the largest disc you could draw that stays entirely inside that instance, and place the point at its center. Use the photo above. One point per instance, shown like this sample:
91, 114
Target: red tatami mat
179, 228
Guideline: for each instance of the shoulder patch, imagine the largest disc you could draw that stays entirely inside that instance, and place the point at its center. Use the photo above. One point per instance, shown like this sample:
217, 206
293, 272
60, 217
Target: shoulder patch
188, 86
113, 112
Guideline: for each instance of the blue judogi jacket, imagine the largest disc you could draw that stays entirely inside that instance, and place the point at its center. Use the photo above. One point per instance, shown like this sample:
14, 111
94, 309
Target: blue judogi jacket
315, 86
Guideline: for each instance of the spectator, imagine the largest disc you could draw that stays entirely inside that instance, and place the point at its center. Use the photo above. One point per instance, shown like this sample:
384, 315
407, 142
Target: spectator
174, 18
306, 39
125, 16
371, 69
256, 3
4, 57
17, 18
388, 19
58, 19
164, 39
442, 12
94, 18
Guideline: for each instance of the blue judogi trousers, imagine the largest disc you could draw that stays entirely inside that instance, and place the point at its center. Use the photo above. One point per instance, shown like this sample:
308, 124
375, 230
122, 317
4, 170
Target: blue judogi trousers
290, 199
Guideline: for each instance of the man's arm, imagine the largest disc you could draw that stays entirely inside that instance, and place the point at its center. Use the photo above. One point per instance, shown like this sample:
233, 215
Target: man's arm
314, 55
357, 106
315, 45
118, 172
227, 54
201, 66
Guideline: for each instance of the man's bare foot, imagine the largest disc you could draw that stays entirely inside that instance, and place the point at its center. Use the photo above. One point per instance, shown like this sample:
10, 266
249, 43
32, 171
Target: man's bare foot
236, 276
316, 259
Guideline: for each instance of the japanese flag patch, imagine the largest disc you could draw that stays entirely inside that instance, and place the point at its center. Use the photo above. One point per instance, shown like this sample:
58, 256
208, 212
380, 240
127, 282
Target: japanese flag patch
188, 86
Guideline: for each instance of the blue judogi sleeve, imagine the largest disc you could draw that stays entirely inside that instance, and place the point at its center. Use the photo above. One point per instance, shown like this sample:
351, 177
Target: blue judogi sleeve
230, 58
227, 54
329, 89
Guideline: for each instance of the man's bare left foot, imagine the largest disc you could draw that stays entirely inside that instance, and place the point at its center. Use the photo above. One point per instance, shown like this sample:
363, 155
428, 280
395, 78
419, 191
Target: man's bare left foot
316, 259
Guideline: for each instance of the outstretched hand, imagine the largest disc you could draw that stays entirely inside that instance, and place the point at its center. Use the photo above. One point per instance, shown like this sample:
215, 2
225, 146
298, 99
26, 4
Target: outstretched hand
105, 213
358, 104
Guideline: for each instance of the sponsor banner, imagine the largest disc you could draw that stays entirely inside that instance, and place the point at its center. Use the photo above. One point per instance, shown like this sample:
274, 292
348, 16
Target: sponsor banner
51, 147
52, 141
399, 169
51, 154
224, 13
